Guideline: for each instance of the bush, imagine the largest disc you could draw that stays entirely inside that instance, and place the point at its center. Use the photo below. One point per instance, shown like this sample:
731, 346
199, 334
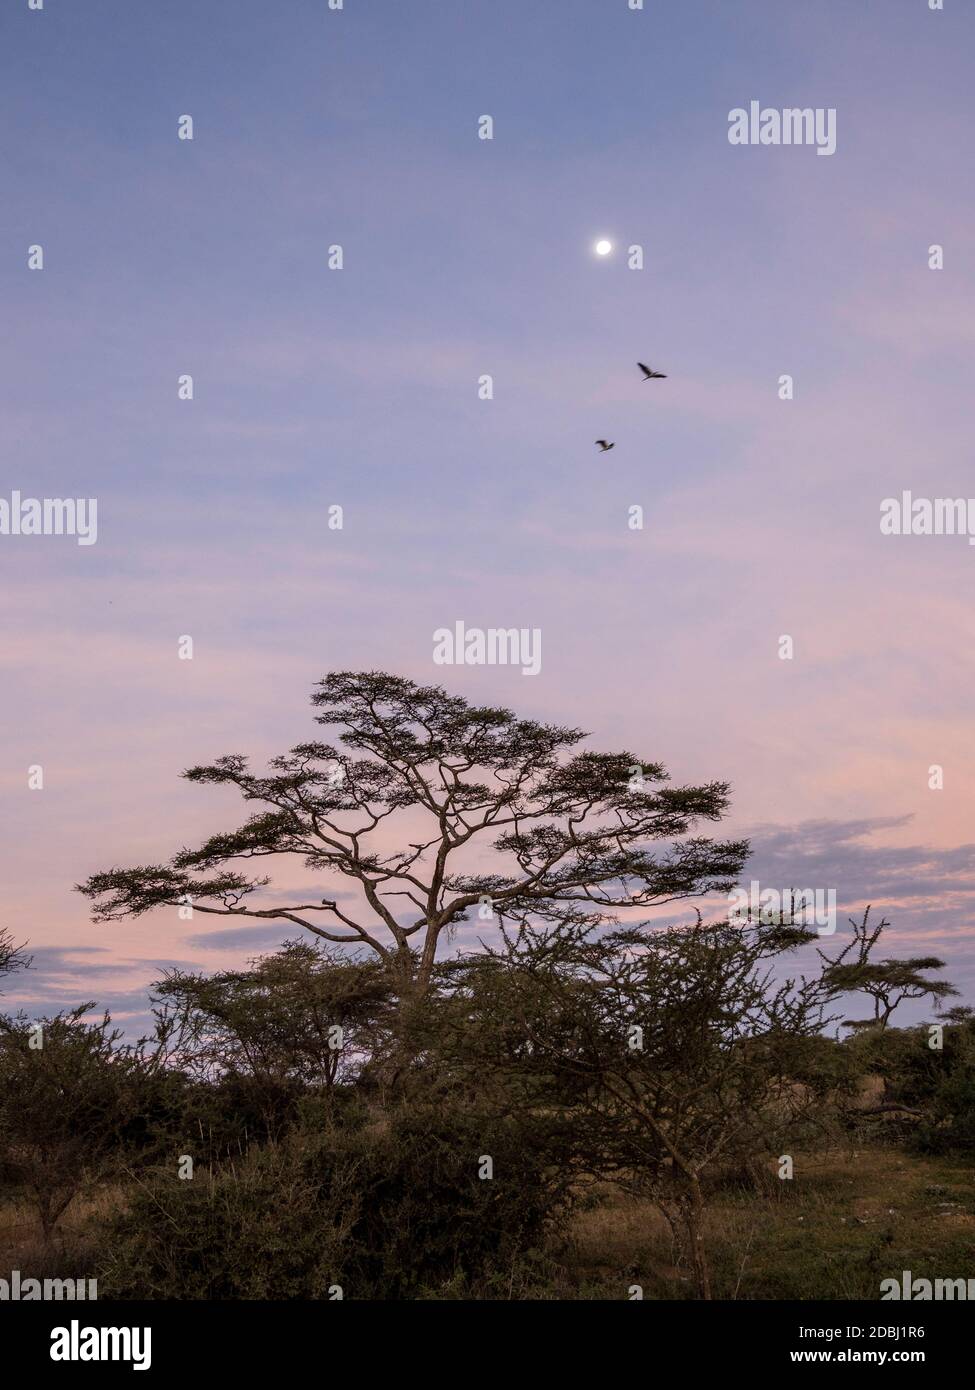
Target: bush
937, 1084
426, 1215
255, 1229
385, 1208
76, 1104
950, 1126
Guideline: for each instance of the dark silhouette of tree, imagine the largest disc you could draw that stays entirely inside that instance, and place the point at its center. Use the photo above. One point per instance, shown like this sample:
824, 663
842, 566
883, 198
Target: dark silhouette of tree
570, 829
12, 956
886, 982
70, 1094
303, 1020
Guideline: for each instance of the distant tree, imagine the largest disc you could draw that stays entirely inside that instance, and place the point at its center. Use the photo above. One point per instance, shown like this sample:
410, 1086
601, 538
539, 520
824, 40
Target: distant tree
886, 982
567, 828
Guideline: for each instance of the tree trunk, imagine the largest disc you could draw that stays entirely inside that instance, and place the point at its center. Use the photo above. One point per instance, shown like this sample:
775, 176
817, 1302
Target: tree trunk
411, 990
692, 1210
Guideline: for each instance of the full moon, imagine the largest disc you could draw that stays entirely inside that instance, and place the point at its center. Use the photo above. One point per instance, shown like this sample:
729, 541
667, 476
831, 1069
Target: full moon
603, 248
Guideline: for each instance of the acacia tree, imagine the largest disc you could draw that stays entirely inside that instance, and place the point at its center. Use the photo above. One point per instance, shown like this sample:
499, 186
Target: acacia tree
886, 982
306, 1018
668, 1052
567, 827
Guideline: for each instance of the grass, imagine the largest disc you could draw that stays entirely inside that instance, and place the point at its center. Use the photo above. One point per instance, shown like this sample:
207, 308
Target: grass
73, 1252
834, 1231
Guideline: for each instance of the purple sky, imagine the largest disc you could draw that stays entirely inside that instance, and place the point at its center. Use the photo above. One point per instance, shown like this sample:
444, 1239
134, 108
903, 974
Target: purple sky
359, 387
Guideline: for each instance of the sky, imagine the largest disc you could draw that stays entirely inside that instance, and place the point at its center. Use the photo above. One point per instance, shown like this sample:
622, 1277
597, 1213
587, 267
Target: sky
358, 387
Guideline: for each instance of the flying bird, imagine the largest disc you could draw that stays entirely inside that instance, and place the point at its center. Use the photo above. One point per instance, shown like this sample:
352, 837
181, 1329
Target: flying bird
604, 444
649, 375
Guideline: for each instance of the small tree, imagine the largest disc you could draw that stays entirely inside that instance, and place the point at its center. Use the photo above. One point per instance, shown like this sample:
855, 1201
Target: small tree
886, 982
302, 1020
670, 1051
69, 1096
566, 827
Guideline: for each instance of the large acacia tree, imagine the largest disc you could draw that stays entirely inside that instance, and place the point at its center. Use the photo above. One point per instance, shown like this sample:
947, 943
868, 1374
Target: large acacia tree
573, 832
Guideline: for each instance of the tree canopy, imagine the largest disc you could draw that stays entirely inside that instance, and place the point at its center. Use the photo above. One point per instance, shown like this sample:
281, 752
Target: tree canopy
574, 833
